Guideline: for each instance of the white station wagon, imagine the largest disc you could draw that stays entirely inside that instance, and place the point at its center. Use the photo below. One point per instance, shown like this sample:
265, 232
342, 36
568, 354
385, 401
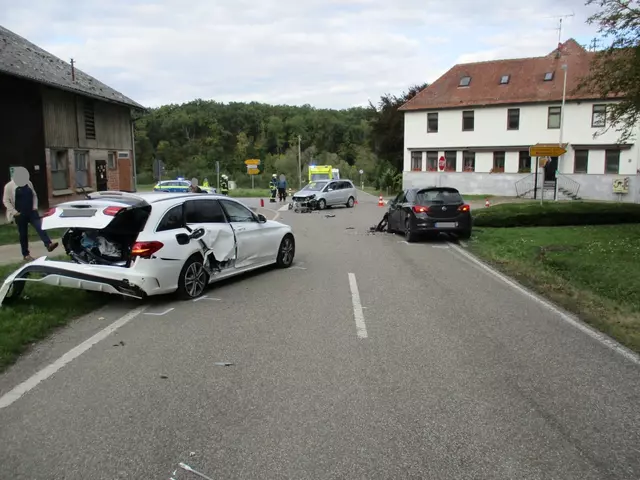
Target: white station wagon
143, 244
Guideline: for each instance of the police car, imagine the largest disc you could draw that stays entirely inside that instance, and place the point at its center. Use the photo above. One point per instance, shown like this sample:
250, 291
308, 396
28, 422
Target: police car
179, 185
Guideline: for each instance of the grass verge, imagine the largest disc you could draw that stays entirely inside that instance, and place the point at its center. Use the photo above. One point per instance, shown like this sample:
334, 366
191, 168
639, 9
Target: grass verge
39, 311
589, 270
9, 234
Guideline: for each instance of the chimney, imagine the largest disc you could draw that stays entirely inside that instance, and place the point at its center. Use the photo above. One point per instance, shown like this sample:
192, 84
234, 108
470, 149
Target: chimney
73, 70
558, 51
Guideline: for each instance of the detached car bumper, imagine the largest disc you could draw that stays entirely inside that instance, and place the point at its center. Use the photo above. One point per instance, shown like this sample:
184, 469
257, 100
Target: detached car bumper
96, 278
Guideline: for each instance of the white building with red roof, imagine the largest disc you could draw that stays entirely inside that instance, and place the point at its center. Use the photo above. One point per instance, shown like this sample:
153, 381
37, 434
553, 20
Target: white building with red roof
481, 118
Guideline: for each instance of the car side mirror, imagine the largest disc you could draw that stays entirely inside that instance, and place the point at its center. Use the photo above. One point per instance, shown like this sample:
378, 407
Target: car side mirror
262, 218
196, 234
182, 238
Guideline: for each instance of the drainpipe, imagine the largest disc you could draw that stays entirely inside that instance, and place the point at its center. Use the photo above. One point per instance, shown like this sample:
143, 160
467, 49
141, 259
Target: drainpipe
564, 95
133, 156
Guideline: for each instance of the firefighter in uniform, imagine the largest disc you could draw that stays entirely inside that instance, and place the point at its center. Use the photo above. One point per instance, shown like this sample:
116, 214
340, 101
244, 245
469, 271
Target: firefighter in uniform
273, 187
224, 185
205, 183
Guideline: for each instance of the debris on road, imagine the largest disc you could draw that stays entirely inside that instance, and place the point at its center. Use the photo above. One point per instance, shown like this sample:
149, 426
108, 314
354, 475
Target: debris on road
328, 215
187, 468
350, 228
223, 364
119, 344
382, 226
164, 377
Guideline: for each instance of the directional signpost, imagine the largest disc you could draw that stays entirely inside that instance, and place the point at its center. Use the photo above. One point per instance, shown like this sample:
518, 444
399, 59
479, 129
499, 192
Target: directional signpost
253, 168
544, 150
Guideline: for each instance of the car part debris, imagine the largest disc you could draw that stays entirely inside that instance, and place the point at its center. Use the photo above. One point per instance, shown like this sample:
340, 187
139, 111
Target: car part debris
164, 377
187, 468
382, 226
350, 228
223, 364
329, 216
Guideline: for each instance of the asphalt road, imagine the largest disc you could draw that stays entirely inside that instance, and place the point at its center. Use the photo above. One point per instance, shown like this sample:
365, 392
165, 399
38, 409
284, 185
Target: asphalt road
459, 376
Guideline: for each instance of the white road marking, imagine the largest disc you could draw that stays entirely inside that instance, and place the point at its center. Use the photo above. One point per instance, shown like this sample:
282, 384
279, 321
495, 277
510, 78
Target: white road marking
284, 208
161, 313
298, 268
205, 297
407, 243
439, 246
29, 384
358, 315
570, 319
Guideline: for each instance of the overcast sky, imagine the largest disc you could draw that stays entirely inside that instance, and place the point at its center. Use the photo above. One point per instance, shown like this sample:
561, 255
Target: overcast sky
328, 53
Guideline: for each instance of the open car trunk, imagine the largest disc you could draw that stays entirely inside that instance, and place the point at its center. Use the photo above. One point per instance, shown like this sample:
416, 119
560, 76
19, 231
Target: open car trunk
100, 231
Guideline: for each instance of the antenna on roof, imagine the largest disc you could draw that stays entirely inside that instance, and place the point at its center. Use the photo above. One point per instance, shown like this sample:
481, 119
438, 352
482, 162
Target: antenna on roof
559, 27
73, 70
593, 46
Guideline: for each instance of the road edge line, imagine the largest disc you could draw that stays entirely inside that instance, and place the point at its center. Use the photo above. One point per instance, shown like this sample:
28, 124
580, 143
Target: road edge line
567, 317
358, 314
33, 381
275, 212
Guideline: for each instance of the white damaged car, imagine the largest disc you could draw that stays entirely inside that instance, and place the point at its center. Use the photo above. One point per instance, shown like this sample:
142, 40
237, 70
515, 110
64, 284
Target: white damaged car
143, 244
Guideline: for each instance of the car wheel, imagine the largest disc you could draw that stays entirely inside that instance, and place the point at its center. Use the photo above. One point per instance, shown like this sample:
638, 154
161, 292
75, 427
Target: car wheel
286, 252
193, 278
464, 234
351, 202
409, 235
322, 204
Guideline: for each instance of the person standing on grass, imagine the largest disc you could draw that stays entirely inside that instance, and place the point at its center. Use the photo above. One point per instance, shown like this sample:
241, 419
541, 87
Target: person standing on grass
21, 202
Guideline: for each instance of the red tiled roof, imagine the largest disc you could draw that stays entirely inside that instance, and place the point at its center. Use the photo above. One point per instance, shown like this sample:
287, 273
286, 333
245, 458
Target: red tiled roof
526, 83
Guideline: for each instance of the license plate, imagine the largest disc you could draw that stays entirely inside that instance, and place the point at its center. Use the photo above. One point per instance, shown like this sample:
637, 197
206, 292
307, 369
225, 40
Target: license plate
80, 212
446, 225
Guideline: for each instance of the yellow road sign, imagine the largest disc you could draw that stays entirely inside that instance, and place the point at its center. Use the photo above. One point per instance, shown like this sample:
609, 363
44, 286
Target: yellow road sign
252, 161
546, 150
253, 171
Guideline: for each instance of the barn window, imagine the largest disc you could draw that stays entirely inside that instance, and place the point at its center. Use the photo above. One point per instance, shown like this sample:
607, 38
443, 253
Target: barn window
89, 120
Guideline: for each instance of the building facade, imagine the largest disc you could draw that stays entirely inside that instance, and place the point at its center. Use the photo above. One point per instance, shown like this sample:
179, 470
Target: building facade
483, 117
73, 133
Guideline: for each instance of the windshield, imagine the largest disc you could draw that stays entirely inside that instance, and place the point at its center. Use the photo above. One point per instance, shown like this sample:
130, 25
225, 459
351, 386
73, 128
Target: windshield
319, 176
426, 197
315, 186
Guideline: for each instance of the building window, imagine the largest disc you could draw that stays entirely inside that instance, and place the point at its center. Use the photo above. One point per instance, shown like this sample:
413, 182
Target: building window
82, 169
59, 169
450, 161
467, 121
524, 162
498, 162
553, 119
468, 161
580, 161
599, 116
432, 122
464, 81
513, 119
504, 79
416, 161
89, 121
548, 76
111, 161
612, 161
432, 161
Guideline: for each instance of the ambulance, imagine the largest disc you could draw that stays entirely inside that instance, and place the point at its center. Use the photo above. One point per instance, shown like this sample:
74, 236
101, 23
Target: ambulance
323, 172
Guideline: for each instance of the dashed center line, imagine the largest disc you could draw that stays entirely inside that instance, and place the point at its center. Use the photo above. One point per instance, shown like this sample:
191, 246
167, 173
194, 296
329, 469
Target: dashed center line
358, 315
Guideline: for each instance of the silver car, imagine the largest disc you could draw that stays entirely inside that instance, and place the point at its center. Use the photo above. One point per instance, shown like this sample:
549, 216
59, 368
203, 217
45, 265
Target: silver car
328, 193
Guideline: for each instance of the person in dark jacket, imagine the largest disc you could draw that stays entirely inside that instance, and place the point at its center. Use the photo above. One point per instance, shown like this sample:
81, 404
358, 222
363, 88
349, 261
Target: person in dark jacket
21, 202
194, 188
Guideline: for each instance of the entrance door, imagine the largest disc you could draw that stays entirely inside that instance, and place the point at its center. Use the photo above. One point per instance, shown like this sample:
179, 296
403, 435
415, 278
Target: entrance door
125, 176
102, 183
550, 169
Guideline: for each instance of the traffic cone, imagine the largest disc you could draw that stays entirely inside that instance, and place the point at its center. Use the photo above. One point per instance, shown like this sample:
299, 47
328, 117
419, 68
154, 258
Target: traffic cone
486, 203
380, 201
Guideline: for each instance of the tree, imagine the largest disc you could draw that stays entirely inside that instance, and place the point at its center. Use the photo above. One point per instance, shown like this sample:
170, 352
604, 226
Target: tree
615, 70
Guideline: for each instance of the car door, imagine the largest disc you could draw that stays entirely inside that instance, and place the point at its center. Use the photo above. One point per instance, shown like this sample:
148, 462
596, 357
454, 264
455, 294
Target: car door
251, 244
333, 193
219, 237
395, 211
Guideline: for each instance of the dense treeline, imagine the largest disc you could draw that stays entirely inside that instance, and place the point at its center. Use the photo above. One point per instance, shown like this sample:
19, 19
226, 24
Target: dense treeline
190, 138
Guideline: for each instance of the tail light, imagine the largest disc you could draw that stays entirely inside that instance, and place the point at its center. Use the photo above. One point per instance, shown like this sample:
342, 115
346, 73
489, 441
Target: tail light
464, 208
49, 212
145, 249
111, 211
420, 209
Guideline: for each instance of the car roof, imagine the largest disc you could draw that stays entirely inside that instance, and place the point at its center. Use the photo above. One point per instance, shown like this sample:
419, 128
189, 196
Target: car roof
151, 197
433, 187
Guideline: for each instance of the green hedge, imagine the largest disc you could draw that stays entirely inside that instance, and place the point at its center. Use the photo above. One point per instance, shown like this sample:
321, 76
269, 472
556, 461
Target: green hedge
556, 214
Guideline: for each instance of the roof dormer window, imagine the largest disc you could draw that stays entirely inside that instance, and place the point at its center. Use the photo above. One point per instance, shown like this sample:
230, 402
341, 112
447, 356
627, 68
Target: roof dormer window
464, 81
504, 79
548, 76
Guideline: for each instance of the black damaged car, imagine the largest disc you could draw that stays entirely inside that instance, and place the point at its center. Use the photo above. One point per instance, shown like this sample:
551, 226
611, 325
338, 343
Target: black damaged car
429, 211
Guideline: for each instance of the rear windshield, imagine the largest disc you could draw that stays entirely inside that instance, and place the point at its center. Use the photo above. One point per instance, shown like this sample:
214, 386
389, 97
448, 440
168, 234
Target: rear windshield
425, 197
315, 186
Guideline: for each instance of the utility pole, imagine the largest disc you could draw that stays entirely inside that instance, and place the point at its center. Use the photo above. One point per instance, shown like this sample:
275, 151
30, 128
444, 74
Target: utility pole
564, 96
593, 46
299, 163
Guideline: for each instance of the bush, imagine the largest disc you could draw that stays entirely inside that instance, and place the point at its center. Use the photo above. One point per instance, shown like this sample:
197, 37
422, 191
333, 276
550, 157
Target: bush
557, 214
